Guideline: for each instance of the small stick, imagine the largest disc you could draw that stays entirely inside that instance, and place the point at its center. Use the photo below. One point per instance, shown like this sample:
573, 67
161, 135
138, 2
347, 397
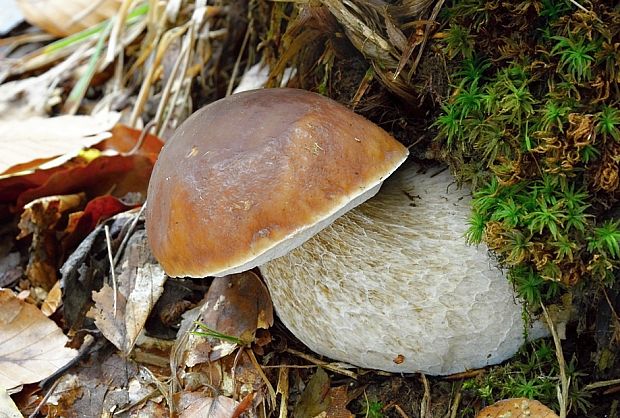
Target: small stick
602, 384
45, 398
111, 259
323, 364
564, 381
125, 240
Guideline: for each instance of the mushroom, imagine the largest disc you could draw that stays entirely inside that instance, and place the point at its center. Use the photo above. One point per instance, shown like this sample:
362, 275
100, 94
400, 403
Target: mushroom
248, 180
393, 285
250, 177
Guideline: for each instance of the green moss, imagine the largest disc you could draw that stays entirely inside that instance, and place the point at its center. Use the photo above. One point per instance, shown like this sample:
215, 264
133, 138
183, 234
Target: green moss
532, 374
537, 133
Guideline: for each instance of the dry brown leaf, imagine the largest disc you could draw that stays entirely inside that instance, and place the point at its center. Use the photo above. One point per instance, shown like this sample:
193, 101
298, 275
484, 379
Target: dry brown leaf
140, 284
235, 306
199, 405
53, 300
32, 347
517, 408
8, 409
338, 405
65, 17
28, 143
39, 219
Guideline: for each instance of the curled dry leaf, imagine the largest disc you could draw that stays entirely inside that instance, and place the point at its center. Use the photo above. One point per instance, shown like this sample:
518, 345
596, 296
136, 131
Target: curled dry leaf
235, 306
32, 347
65, 17
517, 408
140, 284
53, 300
26, 144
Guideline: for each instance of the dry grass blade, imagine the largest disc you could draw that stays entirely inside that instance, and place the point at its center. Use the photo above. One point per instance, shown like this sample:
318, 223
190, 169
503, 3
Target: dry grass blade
564, 380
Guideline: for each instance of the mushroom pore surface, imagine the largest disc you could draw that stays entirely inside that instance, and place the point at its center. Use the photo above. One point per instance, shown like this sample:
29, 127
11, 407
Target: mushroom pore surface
393, 285
251, 176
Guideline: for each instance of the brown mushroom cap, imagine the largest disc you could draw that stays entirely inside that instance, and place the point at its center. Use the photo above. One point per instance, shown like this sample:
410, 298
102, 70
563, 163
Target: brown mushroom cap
252, 176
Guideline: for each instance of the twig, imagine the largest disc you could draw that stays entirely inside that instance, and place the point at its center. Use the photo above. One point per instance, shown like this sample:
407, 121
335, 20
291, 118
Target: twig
564, 381
259, 369
324, 364
111, 259
127, 236
602, 384
235, 70
45, 398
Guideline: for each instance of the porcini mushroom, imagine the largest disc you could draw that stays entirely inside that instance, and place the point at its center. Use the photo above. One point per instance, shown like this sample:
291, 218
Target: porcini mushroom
252, 176
393, 285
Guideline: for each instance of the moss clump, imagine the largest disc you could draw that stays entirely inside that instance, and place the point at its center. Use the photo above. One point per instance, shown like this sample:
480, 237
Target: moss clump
533, 374
534, 125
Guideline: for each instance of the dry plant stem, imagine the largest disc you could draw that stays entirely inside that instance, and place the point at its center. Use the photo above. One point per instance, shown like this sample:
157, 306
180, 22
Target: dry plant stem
324, 364
400, 411
117, 30
283, 389
602, 384
45, 398
111, 260
175, 80
434, 15
259, 370
425, 405
125, 240
564, 381
235, 70
162, 46
454, 407
362, 88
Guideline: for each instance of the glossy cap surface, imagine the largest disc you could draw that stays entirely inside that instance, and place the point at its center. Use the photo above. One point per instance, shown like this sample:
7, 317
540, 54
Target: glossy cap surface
252, 176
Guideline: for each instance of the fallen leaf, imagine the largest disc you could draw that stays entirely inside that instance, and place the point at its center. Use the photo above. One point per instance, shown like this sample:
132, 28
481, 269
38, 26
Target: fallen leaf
39, 219
199, 405
84, 222
140, 284
103, 382
235, 306
27, 143
65, 17
124, 139
8, 409
98, 177
315, 397
32, 347
338, 404
517, 408
53, 300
